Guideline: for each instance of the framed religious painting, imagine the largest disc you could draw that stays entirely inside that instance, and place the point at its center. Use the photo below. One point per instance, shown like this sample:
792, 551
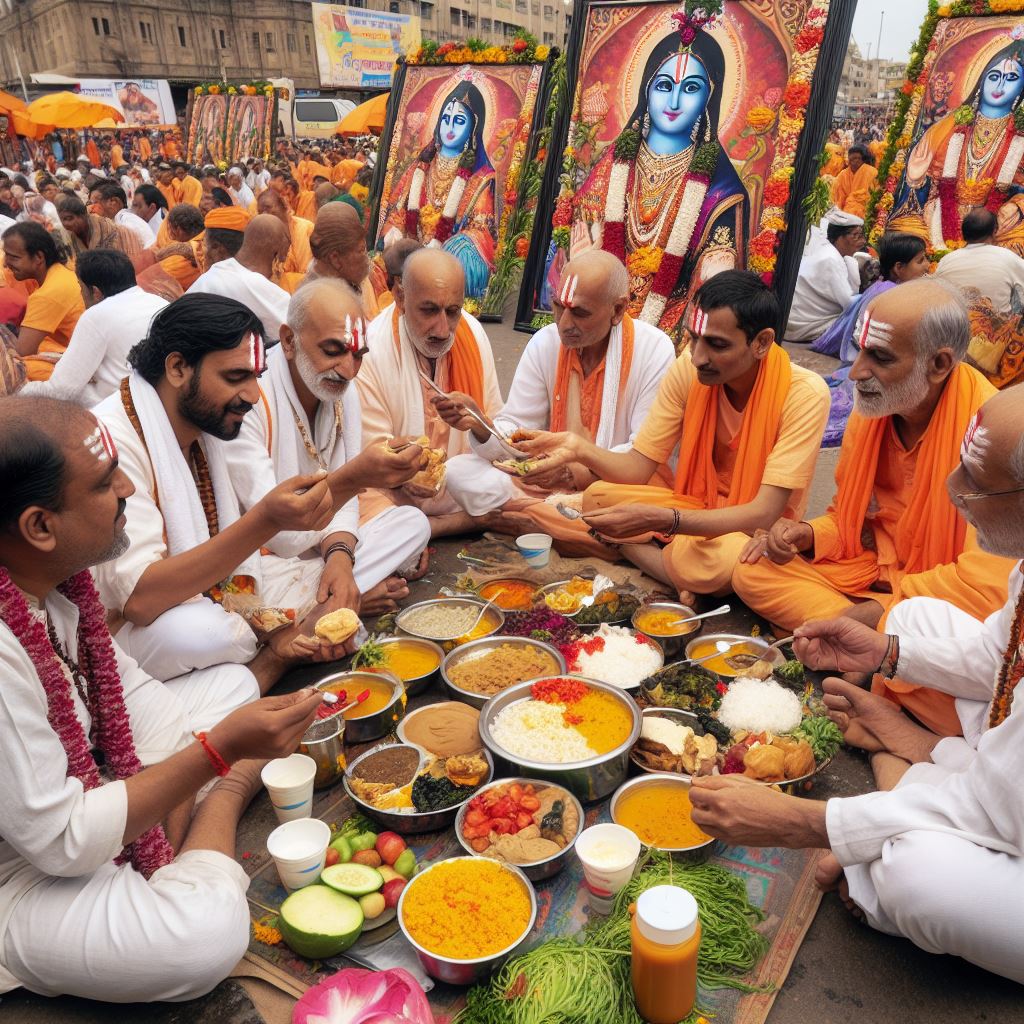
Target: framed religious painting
251, 120
459, 134
206, 140
229, 123
692, 132
956, 144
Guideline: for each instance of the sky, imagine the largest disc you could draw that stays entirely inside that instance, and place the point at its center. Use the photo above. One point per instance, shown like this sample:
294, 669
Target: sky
902, 23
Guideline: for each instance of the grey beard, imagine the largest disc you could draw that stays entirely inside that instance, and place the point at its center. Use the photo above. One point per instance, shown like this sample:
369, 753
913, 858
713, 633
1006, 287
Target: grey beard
312, 379
118, 546
896, 399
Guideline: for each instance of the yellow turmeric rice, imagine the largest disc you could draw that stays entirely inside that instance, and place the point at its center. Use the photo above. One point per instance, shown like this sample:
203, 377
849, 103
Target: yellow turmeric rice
466, 908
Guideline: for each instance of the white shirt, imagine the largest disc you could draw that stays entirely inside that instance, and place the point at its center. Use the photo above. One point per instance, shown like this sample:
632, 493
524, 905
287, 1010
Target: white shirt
96, 359
140, 228
243, 196
230, 279
50, 825
255, 470
994, 271
258, 182
974, 794
530, 397
827, 284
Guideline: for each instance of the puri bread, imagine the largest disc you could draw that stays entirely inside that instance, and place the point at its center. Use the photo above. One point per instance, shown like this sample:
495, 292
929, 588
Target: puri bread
337, 626
432, 477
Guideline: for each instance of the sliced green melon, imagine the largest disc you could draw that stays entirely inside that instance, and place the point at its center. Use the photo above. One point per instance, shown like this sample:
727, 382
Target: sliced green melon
318, 922
352, 879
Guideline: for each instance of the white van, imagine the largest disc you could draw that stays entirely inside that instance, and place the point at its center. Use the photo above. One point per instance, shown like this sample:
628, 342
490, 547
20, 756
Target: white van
317, 117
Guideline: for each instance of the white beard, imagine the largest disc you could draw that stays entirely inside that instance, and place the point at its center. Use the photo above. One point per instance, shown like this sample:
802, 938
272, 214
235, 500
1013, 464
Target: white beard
894, 400
316, 381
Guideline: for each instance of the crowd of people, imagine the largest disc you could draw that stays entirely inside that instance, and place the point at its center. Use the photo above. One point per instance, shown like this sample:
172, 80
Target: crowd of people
218, 402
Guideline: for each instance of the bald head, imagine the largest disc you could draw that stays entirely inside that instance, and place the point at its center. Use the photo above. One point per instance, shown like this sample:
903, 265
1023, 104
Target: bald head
395, 256
324, 339
598, 273
338, 243
988, 485
271, 203
592, 298
432, 294
266, 239
325, 193
911, 340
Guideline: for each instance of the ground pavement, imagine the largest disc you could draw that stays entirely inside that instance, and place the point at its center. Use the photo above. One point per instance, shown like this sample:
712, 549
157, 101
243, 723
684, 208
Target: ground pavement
844, 972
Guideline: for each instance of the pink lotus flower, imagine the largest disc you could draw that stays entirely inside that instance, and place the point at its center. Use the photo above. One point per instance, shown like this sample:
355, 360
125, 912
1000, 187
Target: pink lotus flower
355, 996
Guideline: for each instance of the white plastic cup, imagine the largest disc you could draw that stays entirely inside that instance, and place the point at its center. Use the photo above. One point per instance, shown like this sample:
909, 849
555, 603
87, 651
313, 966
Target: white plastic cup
299, 849
535, 548
289, 781
608, 854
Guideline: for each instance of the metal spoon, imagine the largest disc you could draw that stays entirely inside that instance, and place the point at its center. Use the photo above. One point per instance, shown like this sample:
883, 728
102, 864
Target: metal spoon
724, 610
721, 646
490, 428
779, 644
574, 514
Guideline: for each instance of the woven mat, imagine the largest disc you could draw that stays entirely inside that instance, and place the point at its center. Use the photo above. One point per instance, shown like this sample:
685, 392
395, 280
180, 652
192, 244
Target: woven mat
780, 882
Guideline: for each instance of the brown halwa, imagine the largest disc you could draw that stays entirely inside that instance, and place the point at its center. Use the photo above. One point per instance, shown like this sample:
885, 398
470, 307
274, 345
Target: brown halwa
501, 667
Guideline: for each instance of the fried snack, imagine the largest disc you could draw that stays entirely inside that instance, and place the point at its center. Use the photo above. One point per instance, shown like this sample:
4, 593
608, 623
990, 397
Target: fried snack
799, 761
765, 764
431, 478
369, 792
466, 769
336, 627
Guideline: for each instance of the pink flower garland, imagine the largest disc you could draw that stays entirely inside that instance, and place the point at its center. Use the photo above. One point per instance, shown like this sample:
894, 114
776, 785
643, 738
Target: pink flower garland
113, 728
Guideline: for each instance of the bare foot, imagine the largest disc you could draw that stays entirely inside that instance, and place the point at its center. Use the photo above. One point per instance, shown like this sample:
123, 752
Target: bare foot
875, 724
689, 598
829, 877
383, 598
512, 524
421, 567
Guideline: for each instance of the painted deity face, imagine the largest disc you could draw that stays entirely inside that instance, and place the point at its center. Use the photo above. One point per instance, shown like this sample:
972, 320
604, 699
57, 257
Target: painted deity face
678, 94
456, 127
1003, 85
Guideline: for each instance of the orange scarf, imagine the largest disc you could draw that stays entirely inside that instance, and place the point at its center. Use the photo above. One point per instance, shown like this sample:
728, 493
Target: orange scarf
592, 389
930, 532
465, 367
696, 475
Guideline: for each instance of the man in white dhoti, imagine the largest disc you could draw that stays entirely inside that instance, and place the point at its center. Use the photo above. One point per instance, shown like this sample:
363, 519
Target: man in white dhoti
308, 419
829, 278
426, 337
246, 277
594, 372
938, 855
113, 885
194, 379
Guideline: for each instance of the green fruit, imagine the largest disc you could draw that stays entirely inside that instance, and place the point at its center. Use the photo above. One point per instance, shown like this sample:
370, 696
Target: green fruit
373, 905
344, 848
406, 863
352, 879
318, 922
363, 841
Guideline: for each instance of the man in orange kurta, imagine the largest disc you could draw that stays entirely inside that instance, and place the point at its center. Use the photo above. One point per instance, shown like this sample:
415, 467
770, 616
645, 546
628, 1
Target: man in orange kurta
191, 189
300, 255
853, 186
168, 185
302, 202
748, 425
891, 531
145, 149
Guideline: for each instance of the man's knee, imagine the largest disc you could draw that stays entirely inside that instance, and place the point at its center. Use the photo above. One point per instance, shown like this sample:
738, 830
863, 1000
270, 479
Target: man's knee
749, 580
412, 527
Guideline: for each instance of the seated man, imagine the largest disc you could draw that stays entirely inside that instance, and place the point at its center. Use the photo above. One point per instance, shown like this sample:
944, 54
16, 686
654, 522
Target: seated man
117, 316
394, 256
338, 244
55, 304
182, 259
595, 373
87, 231
308, 419
852, 188
746, 423
110, 887
426, 336
299, 254
108, 199
223, 234
936, 856
890, 532
246, 277
829, 278
194, 380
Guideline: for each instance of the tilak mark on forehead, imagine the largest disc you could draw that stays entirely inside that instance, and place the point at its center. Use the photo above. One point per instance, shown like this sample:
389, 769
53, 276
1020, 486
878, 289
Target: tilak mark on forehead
354, 331
699, 323
569, 286
977, 444
257, 354
875, 333
100, 444
682, 63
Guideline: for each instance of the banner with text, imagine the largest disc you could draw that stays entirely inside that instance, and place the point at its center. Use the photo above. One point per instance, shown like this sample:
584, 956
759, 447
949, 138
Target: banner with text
357, 48
143, 101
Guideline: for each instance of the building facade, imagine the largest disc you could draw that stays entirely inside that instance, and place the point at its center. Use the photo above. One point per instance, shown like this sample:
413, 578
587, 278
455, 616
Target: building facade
867, 87
188, 41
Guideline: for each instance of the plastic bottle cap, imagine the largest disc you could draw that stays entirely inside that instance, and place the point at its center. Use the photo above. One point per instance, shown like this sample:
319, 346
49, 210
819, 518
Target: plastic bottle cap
666, 915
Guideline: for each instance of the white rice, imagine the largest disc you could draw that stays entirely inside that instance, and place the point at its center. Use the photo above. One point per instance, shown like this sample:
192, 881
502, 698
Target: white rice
756, 705
623, 662
536, 731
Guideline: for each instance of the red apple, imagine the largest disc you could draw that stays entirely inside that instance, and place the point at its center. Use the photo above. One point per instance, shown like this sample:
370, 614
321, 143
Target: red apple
390, 846
332, 857
392, 890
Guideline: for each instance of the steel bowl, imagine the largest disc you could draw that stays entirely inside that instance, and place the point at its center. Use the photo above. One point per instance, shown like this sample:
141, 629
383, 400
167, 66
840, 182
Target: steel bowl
587, 780
687, 718
755, 644
695, 853
476, 647
447, 645
656, 645
324, 741
417, 684
380, 723
537, 870
588, 602
467, 972
414, 822
674, 643
400, 732
498, 582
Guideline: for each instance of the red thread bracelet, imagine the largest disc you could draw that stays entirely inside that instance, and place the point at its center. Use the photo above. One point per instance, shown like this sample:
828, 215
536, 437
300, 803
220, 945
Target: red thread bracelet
220, 766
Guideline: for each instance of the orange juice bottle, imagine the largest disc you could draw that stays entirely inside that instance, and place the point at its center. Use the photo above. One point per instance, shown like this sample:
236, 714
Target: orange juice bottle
666, 937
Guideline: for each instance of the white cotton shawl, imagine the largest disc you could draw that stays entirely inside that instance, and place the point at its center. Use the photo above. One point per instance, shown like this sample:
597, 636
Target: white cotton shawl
182, 509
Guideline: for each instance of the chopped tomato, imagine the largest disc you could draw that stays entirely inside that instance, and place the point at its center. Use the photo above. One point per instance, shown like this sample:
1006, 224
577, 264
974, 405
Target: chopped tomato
516, 792
479, 845
530, 803
524, 820
503, 826
475, 817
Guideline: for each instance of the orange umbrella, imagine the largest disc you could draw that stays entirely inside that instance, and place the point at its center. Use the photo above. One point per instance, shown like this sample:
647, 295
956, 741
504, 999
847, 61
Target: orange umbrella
367, 117
69, 110
24, 126
10, 102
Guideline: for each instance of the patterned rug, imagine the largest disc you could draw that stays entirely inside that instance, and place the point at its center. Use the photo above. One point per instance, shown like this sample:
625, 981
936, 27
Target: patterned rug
780, 882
